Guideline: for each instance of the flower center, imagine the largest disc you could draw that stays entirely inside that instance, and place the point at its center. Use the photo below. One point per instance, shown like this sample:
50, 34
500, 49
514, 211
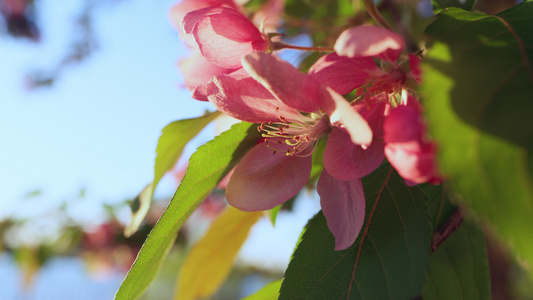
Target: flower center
297, 138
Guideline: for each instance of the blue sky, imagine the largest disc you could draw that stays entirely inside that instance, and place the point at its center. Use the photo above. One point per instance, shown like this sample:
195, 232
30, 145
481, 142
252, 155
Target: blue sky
97, 127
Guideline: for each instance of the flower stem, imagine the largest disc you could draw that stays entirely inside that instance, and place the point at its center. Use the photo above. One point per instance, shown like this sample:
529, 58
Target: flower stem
281, 45
374, 13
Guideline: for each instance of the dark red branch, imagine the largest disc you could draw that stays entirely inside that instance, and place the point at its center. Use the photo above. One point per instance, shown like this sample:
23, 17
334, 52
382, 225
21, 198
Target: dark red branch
449, 227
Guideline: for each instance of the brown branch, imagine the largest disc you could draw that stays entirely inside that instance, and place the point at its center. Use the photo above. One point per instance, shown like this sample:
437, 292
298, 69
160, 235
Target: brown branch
449, 227
280, 45
374, 13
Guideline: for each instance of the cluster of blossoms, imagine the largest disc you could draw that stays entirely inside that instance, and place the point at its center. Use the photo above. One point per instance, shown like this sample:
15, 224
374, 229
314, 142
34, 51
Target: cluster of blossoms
233, 67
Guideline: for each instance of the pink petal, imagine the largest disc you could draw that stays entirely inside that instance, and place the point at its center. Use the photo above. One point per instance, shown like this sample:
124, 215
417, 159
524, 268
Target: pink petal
284, 81
245, 99
345, 116
341, 73
403, 125
345, 160
369, 41
224, 38
415, 167
343, 205
178, 11
201, 92
375, 111
191, 18
406, 149
263, 180
414, 66
198, 71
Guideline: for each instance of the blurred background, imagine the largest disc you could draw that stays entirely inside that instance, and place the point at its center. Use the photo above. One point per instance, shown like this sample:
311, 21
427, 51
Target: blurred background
85, 88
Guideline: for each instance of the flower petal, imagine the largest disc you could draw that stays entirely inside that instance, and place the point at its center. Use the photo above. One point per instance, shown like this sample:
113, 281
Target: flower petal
263, 180
345, 160
198, 71
347, 117
375, 111
403, 125
284, 81
178, 11
369, 41
415, 167
245, 99
224, 38
414, 67
341, 73
192, 17
343, 205
406, 148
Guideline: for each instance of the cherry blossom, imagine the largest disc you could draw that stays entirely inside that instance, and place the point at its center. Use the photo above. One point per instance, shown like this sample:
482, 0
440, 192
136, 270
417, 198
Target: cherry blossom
224, 35
399, 132
399, 135
295, 112
353, 64
219, 36
180, 9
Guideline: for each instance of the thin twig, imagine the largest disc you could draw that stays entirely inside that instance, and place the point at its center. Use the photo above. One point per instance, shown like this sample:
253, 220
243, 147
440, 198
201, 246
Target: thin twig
280, 45
374, 13
449, 227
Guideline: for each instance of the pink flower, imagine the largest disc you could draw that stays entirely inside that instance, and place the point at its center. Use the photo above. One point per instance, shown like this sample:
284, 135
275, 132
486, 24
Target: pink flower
406, 147
346, 161
353, 66
223, 35
197, 71
178, 11
399, 135
295, 111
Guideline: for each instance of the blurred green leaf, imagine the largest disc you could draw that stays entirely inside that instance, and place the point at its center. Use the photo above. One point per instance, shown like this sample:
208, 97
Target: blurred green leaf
207, 166
254, 4
478, 87
387, 261
439, 206
273, 214
439, 5
172, 141
318, 165
268, 292
459, 268
139, 208
322, 19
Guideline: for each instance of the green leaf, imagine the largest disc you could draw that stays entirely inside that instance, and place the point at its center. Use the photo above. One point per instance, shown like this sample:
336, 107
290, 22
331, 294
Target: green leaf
139, 208
273, 214
478, 87
318, 164
439, 5
328, 18
439, 206
207, 166
268, 292
459, 268
172, 141
387, 261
